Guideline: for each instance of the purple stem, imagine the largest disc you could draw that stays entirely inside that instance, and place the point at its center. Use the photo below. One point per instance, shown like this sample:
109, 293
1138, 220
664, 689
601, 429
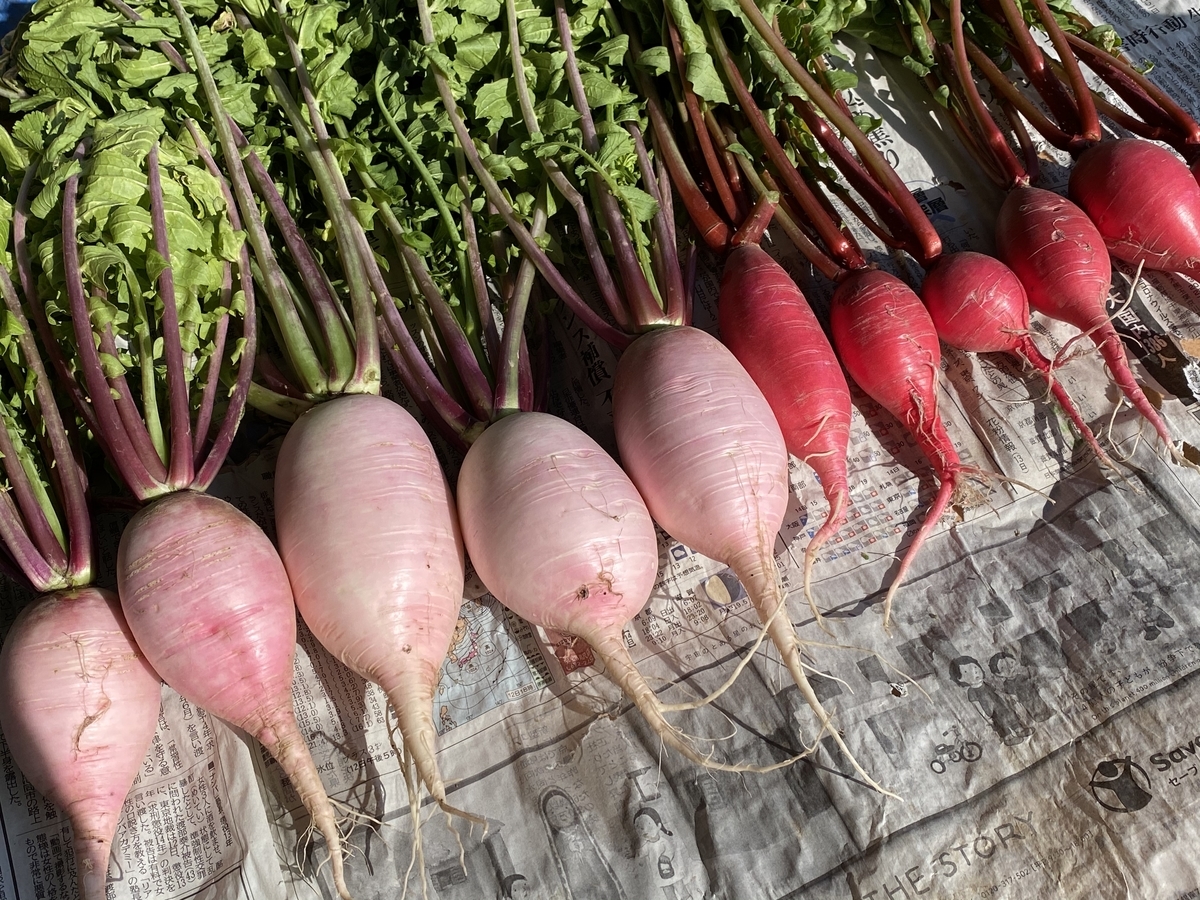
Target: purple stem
165, 47
508, 378
241, 390
587, 229
58, 360
131, 416
664, 244
312, 276
643, 306
843, 249
37, 525
1025, 51
208, 398
546, 267
22, 550
479, 281
121, 449
363, 306
274, 380
66, 471
182, 470
1099, 60
699, 127
452, 337
1009, 93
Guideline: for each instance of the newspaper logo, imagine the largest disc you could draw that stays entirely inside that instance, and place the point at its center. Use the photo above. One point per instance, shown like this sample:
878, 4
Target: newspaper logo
1121, 785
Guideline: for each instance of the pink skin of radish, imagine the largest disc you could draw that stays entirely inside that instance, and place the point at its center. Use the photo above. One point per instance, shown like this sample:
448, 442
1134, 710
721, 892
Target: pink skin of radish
79, 708
705, 450
208, 600
368, 533
768, 325
1060, 258
886, 339
978, 304
1143, 200
559, 534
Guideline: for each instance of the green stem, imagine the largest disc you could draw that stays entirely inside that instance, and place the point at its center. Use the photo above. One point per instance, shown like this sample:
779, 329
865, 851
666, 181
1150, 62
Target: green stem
299, 348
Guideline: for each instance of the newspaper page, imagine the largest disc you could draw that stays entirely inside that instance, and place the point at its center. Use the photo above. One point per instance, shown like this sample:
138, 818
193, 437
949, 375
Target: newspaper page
1033, 707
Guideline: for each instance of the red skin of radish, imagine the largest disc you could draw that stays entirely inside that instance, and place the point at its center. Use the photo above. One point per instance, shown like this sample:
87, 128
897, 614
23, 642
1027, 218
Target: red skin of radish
701, 443
1060, 258
978, 304
768, 325
559, 534
79, 707
886, 339
368, 533
208, 600
1143, 200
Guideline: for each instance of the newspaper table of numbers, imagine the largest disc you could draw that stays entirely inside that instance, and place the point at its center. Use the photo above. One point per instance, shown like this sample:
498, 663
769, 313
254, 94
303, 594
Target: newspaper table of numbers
1034, 704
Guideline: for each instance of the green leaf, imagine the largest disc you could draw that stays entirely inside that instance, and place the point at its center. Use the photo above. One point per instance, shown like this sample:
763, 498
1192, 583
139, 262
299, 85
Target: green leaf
145, 68
841, 80
554, 115
419, 241
655, 60
641, 206
477, 52
111, 365
613, 50
488, 10
255, 51
602, 91
492, 104
16, 159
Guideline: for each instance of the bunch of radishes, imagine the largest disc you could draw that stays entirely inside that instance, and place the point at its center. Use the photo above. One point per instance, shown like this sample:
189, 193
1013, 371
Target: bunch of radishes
371, 537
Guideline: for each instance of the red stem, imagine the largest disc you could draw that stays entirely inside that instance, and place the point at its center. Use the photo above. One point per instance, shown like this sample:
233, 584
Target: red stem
843, 249
752, 228
993, 138
698, 126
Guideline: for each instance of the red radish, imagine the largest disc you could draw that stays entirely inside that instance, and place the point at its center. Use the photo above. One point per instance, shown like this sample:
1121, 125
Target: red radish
79, 710
768, 325
559, 534
369, 535
886, 339
1060, 258
704, 448
1143, 200
208, 600
978, 304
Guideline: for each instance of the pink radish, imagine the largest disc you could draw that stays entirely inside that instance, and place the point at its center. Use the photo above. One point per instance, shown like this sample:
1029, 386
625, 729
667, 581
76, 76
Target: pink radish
369, 535
1060, 258
1143, 200
559, 534
208, 600
978, 304
704, 448
886, 339
768, 325
79, 710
